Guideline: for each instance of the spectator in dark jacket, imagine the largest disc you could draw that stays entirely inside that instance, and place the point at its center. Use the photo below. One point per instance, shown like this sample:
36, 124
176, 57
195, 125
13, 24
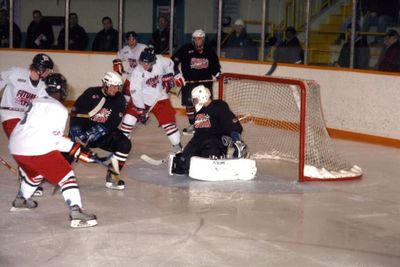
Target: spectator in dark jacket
107, 38
5, 31
361, 52
239, 44
382, 13
40, 33
290, 50
389, 59
160, 38
78, 37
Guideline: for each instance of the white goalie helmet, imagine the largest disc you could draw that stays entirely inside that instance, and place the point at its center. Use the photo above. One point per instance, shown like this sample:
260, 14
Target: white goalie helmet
112, 78
200, 95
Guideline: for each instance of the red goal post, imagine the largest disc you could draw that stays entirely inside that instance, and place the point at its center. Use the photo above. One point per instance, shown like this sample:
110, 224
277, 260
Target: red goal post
283, 120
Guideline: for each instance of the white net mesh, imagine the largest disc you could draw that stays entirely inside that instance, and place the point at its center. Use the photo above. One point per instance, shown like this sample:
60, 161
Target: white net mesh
272, 127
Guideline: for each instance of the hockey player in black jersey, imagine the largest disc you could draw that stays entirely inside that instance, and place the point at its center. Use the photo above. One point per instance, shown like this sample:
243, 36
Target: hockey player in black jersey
216, 130
198, 62
95, 118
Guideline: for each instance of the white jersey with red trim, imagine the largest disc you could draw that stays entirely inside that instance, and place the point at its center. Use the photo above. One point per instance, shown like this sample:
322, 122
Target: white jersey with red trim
18, 93
146, 86
41, 130
131, 55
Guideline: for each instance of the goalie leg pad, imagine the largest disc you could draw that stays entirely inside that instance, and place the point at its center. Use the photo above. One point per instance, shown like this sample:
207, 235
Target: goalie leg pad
222, 169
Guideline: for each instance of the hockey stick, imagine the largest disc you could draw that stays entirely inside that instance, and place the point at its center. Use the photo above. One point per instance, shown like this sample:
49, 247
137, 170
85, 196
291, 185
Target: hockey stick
91, 113
152, 161
201, 81
6, 164
272, 69
13, 109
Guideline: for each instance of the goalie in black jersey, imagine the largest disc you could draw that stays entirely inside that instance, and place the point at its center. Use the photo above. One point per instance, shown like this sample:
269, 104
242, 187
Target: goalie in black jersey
198, 63
95, 118
217, 136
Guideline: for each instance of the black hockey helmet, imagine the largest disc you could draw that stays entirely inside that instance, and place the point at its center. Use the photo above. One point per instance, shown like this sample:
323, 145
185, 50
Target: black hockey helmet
42, 62
148, 56
56, 83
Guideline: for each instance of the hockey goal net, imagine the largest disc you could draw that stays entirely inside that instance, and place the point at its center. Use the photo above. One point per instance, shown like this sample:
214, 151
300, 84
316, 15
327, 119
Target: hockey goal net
283, 120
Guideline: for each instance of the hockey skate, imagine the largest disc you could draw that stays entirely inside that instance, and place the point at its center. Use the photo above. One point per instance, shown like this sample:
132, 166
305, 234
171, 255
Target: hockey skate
20, 203
113, 182
79, 219
188, 130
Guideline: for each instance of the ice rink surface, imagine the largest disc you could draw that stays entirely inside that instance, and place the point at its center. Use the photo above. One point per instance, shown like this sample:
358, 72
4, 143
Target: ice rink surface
162, 220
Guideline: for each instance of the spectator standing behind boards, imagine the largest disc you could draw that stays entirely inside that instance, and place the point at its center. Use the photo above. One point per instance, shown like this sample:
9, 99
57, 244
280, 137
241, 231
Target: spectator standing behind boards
389, 59
382, 13
39, 33
160, 38
107, 38
78, 37
361, 51
239, 44
290, 50
5, 31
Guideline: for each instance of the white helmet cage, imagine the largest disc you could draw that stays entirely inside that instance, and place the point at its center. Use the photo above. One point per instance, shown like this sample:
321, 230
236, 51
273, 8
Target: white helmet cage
112, 78
202, 94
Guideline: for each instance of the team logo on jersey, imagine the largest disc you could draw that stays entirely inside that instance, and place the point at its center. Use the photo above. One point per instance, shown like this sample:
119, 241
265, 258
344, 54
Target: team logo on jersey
57, 133
153, 81
198, 63
102, 115
21, 80
202, 121
24, 98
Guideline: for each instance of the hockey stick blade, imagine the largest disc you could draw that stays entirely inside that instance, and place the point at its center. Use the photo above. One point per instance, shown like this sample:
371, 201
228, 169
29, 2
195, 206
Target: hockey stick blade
150, 160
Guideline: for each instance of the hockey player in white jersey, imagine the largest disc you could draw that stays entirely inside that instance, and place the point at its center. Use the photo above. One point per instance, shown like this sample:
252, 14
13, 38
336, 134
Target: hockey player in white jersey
36, 144
21, 86
130, 53
150, 83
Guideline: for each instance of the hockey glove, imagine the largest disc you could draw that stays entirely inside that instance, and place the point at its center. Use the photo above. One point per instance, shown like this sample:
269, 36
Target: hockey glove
79, 152
168, 82
117, 66
179, 80
77, 135
142, 116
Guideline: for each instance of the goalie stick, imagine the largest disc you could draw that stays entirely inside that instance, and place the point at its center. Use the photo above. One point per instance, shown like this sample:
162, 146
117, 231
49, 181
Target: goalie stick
91, 113
158, 162
152, 161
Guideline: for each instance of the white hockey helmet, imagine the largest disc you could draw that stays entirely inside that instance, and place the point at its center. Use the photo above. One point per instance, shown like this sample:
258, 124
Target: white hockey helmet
112, 78
198, 34
198, 44
202, 94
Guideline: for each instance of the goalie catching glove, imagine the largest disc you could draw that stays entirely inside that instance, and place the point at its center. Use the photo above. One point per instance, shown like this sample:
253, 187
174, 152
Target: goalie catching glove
82, 153
236, 148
